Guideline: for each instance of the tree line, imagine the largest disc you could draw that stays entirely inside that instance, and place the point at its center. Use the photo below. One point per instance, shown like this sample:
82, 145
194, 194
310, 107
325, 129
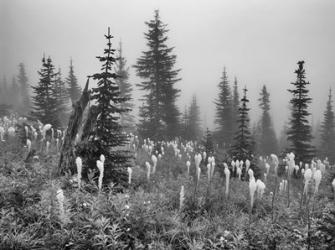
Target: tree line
159, 116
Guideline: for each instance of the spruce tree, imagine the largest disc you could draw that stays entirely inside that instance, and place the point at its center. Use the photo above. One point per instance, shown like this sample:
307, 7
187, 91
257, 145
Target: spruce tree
45, 104
14, 95
268, 142
185, 124
25, 104
224, 112
236, 105
241, 148
327, 148
126, 119
73, 88
107, 137
62, 99
300, 132
194, 129
208, 144
159, 116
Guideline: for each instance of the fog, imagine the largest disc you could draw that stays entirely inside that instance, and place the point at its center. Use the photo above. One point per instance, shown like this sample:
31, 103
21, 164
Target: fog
259, 42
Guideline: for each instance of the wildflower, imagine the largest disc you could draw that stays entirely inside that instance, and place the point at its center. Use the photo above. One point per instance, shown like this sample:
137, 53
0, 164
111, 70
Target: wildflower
260, 188
307, 178
252, 190
154, 162
126, 207
79, 164
147, 164
181, 198
130, 171
28, 145
60, 198
188, 164
100, 166
227, 174
317, 177
247, 164
47, 147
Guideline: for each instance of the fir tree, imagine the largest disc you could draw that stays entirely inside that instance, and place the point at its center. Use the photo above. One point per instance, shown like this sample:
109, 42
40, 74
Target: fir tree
236, 105
45, 104
268, 142
208, 144
224, 113
328, 132
300, 132
22, 78
159, 116
63, 100
14, 95
194, 129
73, 89
185, 124
242, 140
107, 137
126, 119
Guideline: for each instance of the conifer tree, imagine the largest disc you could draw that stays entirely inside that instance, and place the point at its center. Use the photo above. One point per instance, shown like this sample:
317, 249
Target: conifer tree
236, 105
194, 129
300, 132
73, 88
242, 140
224, 112
126, 119
14, 95
45, 104
159, 116
25, 104
328, 131
208, 144
62, 99
268, 142
107, 136
185, 124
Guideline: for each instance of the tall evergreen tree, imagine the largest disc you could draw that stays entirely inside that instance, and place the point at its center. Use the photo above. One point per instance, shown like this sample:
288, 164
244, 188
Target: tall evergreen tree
126, 119
194, 128
300, 132
25, 104
268, 142
159, 116
185, 124
236, 105
73, 88
242, 140
108, 137
328, 131
208, 144
63, 100
44, 99
224, 112
14, 95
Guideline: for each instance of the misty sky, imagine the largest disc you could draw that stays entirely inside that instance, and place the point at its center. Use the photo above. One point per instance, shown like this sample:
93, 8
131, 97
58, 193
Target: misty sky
259, 42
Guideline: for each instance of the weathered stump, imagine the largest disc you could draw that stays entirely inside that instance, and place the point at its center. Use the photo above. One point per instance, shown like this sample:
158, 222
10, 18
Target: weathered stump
67, 155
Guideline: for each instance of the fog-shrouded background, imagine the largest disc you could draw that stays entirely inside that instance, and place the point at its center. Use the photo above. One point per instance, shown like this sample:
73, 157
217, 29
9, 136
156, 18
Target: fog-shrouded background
259, 42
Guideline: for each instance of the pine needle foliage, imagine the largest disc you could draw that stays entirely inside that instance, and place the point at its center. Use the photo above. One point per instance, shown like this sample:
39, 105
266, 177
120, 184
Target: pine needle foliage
159, 114
45, 104
300, 131
108, 137
241, 148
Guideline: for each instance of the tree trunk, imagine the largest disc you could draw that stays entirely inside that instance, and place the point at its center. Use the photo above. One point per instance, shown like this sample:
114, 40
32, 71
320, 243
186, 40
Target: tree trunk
67, 155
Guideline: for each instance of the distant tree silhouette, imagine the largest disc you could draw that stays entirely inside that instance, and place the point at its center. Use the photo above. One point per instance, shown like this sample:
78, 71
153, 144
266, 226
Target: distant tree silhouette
242, 147
63, 100
224, 112
73, 87
25, 103
236, 106
300, 132
194, 120
159, 115
126, 119
268, 142
327, 148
